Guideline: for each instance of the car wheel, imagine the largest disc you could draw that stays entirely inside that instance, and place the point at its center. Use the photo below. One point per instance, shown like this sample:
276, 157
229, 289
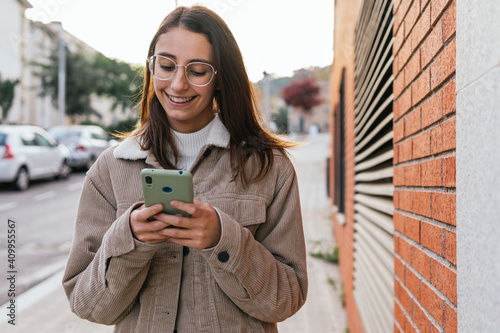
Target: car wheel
22, 180
64, 171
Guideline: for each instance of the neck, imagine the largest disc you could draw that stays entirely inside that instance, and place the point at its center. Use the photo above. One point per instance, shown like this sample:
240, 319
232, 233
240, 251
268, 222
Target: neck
190, 144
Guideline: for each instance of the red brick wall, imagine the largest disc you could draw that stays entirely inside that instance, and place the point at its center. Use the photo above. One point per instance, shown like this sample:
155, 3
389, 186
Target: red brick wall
425, 276
425, 283
345, 233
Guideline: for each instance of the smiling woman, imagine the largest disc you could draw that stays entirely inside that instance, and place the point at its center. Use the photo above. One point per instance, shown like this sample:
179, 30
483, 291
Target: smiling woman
188, 105
236, 261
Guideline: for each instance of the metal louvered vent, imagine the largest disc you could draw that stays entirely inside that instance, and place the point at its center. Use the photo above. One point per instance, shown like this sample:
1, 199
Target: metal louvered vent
373, 240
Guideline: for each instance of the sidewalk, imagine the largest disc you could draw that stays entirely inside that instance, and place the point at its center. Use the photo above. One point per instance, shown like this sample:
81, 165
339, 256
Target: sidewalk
45, 309
323, 312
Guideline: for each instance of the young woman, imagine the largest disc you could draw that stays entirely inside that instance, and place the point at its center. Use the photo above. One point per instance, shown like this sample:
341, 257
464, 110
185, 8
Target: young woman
238, 264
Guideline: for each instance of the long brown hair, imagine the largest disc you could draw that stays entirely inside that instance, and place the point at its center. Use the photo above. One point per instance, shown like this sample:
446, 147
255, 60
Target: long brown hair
235, 100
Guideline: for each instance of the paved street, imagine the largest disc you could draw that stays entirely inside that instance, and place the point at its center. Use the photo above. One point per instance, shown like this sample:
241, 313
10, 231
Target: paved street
44, 217
44, 308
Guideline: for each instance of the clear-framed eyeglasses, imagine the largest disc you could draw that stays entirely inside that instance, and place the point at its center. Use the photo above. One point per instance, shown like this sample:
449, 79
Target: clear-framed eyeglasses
163, 68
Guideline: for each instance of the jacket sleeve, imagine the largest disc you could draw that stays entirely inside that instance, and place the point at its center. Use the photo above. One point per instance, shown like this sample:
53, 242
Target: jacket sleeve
106, 266
265, 276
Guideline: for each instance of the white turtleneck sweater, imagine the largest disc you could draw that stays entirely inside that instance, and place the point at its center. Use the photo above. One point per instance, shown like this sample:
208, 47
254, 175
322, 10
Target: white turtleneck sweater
190, 144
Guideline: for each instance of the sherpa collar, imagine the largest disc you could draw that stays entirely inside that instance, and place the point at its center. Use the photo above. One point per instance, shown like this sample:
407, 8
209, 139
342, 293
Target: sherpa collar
129, 149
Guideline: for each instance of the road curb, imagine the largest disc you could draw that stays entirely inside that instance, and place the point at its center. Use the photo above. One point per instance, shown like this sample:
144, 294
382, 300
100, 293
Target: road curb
51, 279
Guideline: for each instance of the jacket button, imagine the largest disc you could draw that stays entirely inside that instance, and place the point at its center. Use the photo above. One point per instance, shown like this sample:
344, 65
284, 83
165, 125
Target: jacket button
185, 250
223, 256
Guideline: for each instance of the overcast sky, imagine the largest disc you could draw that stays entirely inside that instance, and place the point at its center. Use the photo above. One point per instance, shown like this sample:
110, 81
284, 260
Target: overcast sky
277, 36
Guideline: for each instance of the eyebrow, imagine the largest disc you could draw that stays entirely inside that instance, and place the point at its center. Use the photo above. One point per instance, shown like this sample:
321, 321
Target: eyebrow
166, 54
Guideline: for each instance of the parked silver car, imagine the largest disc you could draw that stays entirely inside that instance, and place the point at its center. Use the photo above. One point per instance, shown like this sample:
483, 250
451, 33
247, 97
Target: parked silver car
85, 143
28, 153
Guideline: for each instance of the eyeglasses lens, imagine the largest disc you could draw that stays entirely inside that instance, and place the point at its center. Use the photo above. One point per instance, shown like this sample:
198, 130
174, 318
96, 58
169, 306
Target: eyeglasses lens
197, 73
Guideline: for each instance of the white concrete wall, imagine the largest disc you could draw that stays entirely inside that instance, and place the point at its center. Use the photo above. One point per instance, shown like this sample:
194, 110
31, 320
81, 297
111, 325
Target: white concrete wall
11, 48
38, 110
10, 39
478, 165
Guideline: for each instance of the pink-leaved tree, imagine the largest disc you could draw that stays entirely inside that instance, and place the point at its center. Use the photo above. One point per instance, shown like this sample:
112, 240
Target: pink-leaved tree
303, 94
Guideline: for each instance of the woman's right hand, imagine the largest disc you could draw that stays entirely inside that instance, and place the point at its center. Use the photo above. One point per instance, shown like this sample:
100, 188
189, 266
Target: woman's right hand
144, 229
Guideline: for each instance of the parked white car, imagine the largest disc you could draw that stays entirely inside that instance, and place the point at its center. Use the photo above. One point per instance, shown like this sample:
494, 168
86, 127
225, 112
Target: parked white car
85, 143
28, 153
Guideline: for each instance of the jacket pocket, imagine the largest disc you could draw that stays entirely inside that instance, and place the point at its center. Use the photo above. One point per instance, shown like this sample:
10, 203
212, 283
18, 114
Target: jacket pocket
248, 210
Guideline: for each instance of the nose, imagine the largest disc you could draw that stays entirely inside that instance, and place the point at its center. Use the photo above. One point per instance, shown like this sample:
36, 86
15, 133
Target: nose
179, 81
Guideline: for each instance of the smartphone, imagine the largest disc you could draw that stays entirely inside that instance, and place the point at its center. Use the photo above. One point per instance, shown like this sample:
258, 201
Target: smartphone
162, 186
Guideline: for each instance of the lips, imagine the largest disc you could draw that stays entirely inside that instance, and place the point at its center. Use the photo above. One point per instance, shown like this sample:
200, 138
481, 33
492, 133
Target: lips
180, 99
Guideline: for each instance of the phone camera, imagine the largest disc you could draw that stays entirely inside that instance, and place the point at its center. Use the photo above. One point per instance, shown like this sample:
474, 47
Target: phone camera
149, 180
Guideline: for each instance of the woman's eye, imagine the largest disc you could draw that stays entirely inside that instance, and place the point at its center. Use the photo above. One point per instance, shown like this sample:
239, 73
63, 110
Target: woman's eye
168, 68
194, 73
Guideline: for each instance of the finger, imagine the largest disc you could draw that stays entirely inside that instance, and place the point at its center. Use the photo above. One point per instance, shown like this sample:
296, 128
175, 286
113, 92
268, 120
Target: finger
154, 238
185, 207
156, 226
178, 221
142, 228
158, 235
152, 230
145, 213
177, 234
189, 242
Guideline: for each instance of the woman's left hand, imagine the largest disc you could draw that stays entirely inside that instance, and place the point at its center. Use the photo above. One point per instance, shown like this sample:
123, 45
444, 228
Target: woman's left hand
200, 231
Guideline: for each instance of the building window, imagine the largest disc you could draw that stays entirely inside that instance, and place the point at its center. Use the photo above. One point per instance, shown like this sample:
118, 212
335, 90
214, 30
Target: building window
339, 148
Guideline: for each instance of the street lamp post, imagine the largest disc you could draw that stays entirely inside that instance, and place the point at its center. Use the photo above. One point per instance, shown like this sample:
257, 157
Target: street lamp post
267, 96
61, 77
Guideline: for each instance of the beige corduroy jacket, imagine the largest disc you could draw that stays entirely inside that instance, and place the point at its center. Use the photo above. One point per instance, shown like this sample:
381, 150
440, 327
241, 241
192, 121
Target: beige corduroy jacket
254, 277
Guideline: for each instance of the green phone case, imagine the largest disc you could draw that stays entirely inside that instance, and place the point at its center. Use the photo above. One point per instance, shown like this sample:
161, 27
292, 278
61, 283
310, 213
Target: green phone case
162, 186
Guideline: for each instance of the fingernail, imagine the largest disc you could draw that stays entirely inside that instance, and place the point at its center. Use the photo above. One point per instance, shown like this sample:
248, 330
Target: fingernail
158, 207
173, 203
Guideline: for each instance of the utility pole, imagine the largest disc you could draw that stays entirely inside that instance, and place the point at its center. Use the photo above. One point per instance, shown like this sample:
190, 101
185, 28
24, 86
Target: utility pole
61, 78
267, 96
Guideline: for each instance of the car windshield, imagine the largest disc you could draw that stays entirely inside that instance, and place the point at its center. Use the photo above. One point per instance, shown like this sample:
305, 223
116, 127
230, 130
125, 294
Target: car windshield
65, 134
3, 139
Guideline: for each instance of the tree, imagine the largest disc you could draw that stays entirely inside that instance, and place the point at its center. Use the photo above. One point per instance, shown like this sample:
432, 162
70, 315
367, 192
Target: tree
6, 96
304, 94
280, 118
88, 74
80, 81
118, 80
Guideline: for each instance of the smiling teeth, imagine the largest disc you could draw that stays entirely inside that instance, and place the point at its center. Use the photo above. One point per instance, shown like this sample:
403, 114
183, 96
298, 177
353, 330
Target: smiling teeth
180, 100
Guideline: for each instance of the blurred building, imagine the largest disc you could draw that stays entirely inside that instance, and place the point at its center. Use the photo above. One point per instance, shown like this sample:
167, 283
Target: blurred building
25, 42
415, 95
13, 44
